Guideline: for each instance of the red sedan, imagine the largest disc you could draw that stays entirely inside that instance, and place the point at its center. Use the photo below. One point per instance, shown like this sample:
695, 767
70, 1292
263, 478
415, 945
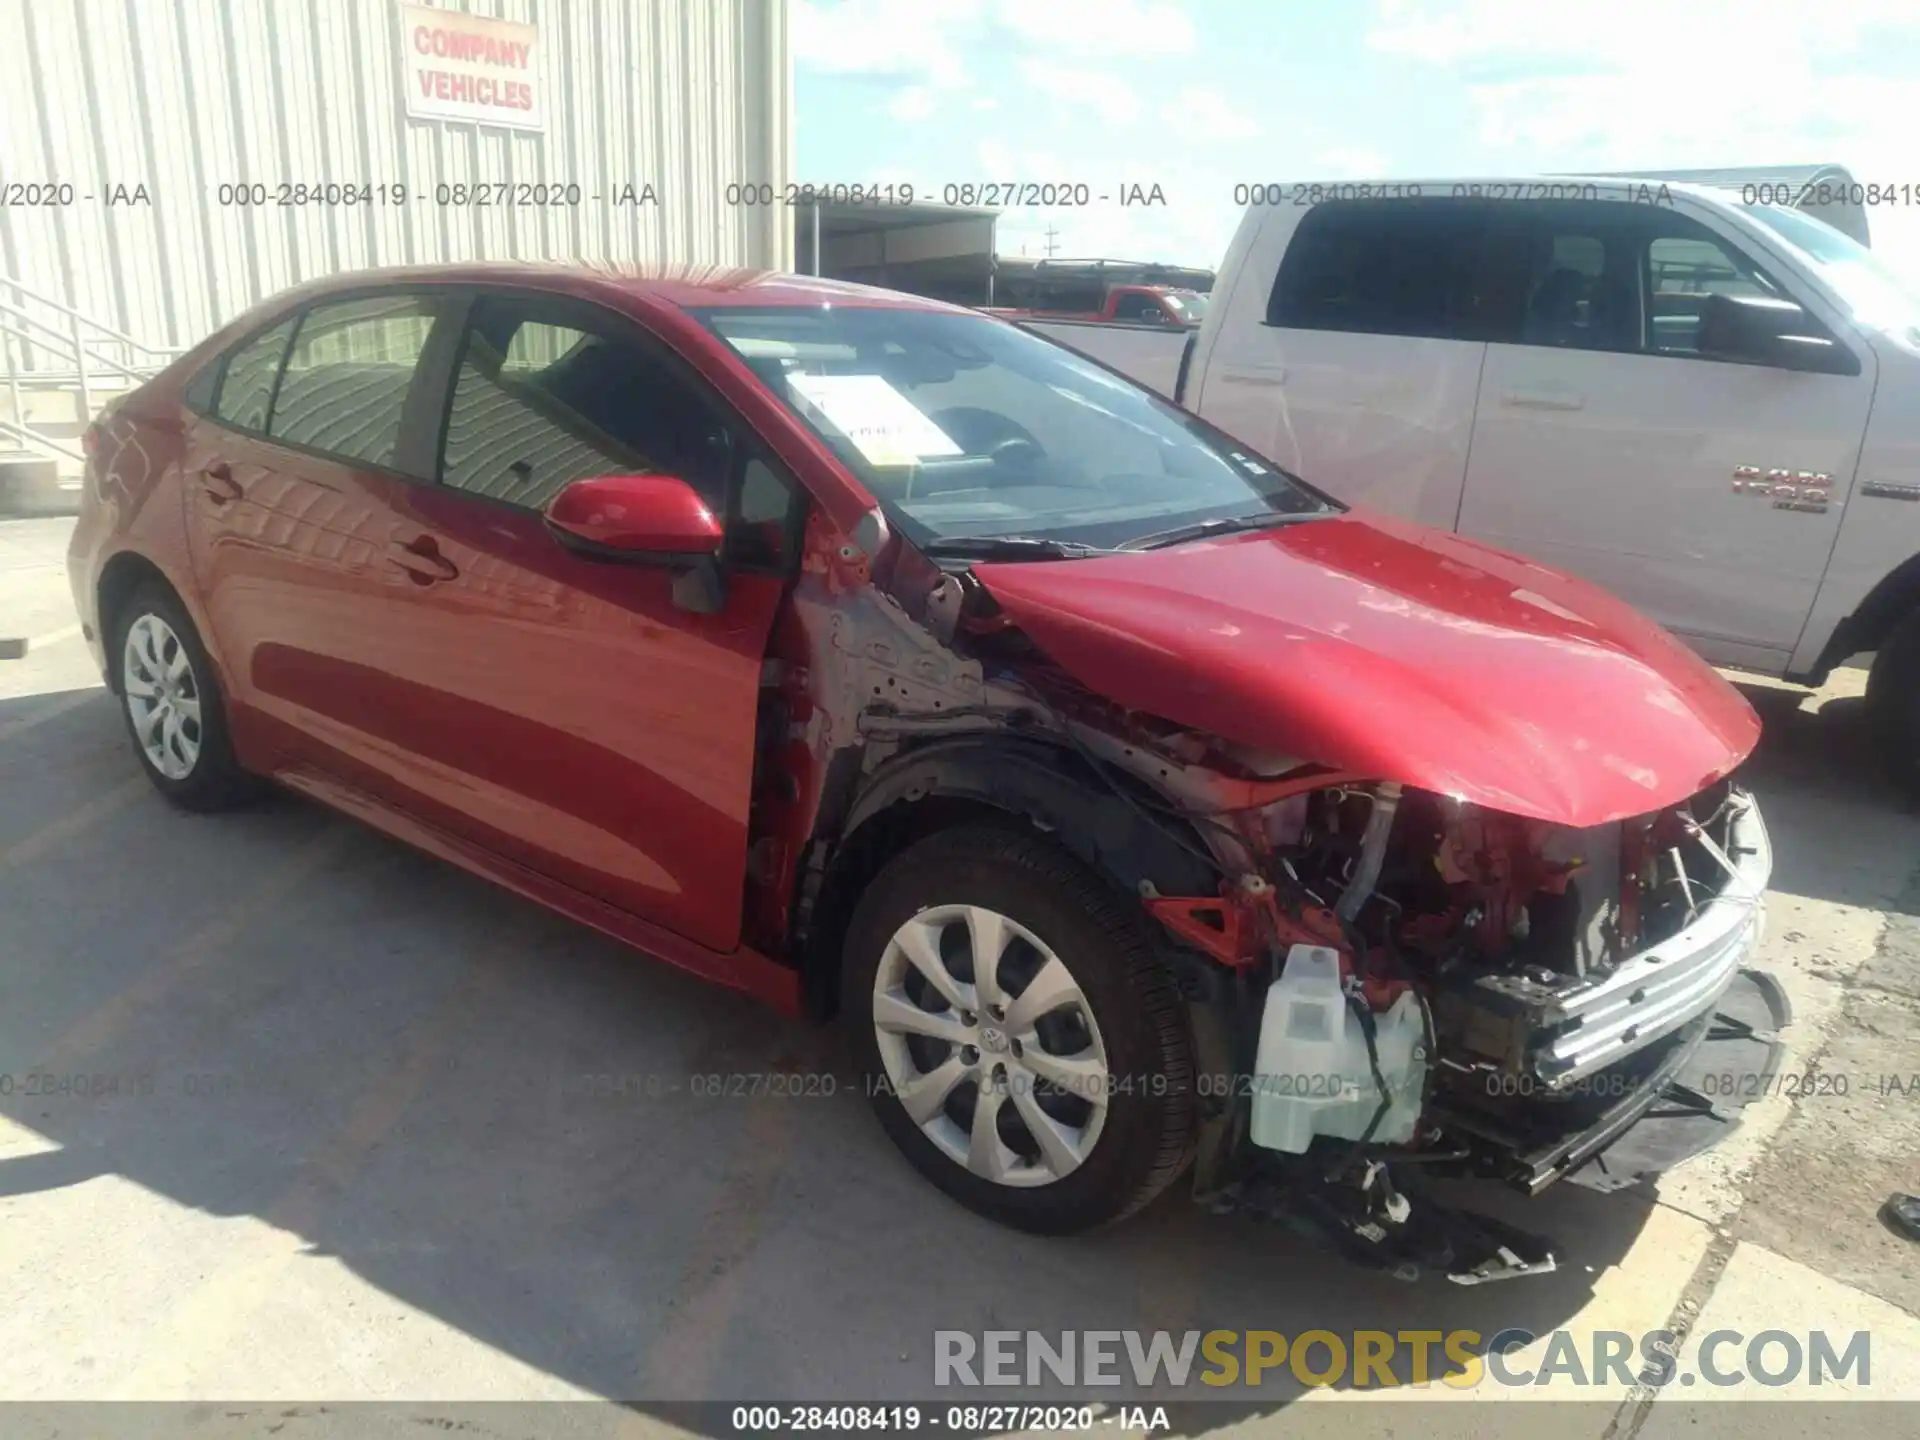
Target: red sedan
1140, 810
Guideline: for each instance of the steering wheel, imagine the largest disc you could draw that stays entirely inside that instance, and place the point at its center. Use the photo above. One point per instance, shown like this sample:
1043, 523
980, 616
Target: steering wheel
1001, 451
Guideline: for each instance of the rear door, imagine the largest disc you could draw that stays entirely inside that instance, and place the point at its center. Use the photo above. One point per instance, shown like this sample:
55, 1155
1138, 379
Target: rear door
289, 508
1350, 349
566, 713
1606, 445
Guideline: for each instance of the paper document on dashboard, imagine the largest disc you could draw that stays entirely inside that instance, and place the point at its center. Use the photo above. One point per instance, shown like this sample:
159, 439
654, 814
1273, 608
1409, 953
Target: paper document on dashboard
884, 426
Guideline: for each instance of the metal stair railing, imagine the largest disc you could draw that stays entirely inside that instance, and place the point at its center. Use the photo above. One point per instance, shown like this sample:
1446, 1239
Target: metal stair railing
30, 439
73, 341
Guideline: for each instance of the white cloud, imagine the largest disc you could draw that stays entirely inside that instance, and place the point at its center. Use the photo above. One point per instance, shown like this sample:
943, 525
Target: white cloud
1100, 91
923, 41
1088, 29
915, 102
1201, 113
920, 41
1349, 162
1705, 83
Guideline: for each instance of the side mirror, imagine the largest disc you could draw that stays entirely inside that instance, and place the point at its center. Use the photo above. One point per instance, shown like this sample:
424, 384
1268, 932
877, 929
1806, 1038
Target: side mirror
1769, 330
646, 519
637, 517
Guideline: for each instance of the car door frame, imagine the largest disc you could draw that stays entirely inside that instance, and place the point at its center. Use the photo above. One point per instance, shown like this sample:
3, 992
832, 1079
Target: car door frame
441, 365
262, 741
1635, 213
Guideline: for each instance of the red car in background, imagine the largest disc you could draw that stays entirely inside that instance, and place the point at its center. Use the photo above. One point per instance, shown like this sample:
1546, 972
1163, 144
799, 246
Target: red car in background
1139, 810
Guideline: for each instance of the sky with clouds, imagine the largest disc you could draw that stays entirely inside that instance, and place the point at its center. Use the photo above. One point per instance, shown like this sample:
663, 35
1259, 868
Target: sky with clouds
1198, 95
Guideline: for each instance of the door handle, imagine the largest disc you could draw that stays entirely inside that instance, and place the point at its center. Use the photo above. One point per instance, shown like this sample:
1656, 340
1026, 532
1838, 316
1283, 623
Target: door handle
217, 480
421, 559
1545, 399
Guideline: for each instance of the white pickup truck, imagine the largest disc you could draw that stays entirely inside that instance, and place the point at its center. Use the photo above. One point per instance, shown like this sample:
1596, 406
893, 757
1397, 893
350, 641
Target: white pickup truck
1710, 408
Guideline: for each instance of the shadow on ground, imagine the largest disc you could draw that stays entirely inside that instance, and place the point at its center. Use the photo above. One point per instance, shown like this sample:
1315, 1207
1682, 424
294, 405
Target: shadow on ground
514, 1128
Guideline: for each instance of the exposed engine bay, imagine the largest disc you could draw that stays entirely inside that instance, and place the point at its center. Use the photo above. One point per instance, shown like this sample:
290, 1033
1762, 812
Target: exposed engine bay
1445, 985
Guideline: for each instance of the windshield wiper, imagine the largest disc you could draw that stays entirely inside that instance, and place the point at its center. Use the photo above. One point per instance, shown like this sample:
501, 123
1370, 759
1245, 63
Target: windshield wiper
1008, 547
1225, 525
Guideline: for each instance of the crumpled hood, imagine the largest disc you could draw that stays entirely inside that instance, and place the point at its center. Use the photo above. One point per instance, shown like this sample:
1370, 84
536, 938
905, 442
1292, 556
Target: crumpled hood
1398, 652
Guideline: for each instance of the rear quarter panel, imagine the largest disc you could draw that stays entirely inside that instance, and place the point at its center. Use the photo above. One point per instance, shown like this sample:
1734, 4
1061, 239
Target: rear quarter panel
132, 502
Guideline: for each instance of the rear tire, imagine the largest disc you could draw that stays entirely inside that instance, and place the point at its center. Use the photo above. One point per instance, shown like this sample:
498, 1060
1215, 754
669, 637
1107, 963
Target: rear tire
1077, 1042
172, 704
1893, 701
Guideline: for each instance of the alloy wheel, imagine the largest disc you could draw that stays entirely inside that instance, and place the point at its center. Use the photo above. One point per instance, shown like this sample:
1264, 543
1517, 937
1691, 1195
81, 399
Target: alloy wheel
162, 695
990, 1046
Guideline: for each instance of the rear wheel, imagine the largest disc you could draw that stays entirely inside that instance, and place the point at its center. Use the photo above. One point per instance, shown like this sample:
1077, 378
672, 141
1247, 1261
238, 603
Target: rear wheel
172, 704
1893, 700
1020, 1041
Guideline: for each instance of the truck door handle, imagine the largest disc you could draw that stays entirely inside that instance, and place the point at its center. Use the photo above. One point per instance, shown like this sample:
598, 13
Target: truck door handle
1252, 374
217, 480
421, 559
1546, 399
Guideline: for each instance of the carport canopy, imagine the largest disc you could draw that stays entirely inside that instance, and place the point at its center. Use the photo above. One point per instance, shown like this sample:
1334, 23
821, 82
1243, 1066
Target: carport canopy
941, 251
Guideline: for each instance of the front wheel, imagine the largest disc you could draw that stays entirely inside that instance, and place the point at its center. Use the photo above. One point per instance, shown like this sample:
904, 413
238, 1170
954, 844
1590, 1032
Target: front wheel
1020, 1040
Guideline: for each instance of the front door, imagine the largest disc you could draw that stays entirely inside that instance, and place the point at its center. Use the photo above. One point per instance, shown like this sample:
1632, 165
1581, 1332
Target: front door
1604, 443
564, 712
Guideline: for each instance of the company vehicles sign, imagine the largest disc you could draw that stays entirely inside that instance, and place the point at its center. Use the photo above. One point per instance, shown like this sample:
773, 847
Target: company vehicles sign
469, 68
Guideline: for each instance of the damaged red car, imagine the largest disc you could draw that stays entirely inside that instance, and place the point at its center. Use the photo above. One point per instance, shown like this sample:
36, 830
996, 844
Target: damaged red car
1142, 813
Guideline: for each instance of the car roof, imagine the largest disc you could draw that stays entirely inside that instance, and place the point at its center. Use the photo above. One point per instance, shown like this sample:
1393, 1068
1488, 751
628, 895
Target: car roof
686, 287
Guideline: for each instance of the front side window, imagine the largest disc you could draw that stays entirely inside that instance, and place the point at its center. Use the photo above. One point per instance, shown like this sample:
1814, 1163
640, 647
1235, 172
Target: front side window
1382, 267
246, 390
348, 374
966, 427
543, 399
1687, 264
1135, 306
1582, 289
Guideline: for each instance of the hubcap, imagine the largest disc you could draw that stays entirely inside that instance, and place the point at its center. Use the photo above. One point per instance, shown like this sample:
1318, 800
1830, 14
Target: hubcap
163, 697
990, 1046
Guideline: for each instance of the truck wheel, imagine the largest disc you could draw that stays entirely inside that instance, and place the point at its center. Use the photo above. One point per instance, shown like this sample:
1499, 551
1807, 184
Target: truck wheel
1893, 700
1018, 1037
172, 704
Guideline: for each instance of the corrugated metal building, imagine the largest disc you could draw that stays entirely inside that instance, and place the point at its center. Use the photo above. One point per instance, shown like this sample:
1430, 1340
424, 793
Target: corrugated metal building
147, 144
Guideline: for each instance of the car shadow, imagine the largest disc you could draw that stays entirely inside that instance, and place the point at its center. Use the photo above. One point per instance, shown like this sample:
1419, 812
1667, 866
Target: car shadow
631, 1184
1833, 812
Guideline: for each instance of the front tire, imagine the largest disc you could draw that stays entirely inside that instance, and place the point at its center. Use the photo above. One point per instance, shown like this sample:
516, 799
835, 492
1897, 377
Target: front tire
172, 704
1020, 1040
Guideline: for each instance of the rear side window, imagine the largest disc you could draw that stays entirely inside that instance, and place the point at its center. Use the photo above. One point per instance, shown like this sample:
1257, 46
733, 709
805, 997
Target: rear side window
246, 391
346, 381
1383, 267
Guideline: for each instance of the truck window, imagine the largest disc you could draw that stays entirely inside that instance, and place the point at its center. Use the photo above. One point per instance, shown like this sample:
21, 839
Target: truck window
1685, 265
1582, 281
1135, 306
1383, 267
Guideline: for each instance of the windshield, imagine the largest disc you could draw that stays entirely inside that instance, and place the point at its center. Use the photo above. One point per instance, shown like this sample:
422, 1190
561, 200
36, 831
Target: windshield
1876, 294
1189, 305
964, 426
